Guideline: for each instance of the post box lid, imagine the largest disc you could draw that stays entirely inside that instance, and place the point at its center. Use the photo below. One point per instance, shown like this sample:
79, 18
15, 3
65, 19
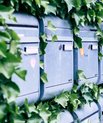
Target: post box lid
23, 20
56, 21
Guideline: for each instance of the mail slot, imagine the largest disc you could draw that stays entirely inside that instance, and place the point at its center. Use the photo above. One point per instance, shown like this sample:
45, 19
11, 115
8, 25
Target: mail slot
58, 60
88, 61
28, 32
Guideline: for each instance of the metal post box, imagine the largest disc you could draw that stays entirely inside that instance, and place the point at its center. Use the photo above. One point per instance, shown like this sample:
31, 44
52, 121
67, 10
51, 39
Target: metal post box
101, 104
58, 60
89, 113
88, 61
28, 30
65, 117
101, 68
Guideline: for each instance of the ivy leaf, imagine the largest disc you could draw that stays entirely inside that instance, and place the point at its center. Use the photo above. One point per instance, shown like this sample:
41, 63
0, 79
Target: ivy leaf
100, 55
35, 118
54, 38
77, 19
19, 119
44, 111
5, 36
50, 9
62, 99
6, 69
51, 26
41, 64
75, 102
101, 90
77, 41
69, 4
6, 10
53, 117
87, 98
3, 48
73, 3
44, 3
32, 108
44, 77
21, 73
13, 47
10, 91
3, 111
89, 2
13, 34
81, 75
28, 2
43, 44
38, 2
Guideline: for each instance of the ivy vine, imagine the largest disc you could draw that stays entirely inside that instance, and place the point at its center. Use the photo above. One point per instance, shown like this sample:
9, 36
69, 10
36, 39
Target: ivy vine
78, 13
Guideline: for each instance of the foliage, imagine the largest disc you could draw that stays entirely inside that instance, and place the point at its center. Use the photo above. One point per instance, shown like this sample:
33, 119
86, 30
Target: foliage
78, 13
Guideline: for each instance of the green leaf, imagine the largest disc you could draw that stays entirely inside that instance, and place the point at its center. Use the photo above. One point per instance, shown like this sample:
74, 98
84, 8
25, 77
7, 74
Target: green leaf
38, 2
44, 77
29, 2
13, 34
77, 41
77, 19
54, 38
35, 118
43, 44
51, 26
3, 48
62, 99
41, 64
74, 100
5, 36
81, 75
19, 119
6, 10
32, 108
13, 47
50, 9
21, 73
6, 70
100, 55
44, 111
73, 3
3, 111
10, 91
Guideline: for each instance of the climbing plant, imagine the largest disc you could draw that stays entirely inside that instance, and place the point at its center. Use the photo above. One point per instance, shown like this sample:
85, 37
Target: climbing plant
78, 13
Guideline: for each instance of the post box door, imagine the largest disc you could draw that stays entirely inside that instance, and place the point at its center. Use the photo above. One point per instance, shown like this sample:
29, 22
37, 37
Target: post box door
30, 62
58, 64
89, 61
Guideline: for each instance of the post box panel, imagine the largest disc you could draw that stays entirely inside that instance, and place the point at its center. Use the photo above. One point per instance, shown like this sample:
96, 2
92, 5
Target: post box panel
29, 45
65, 117
102, 68
58, 60
57, 22
23, 19
30, 62
89, 61
88, 111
